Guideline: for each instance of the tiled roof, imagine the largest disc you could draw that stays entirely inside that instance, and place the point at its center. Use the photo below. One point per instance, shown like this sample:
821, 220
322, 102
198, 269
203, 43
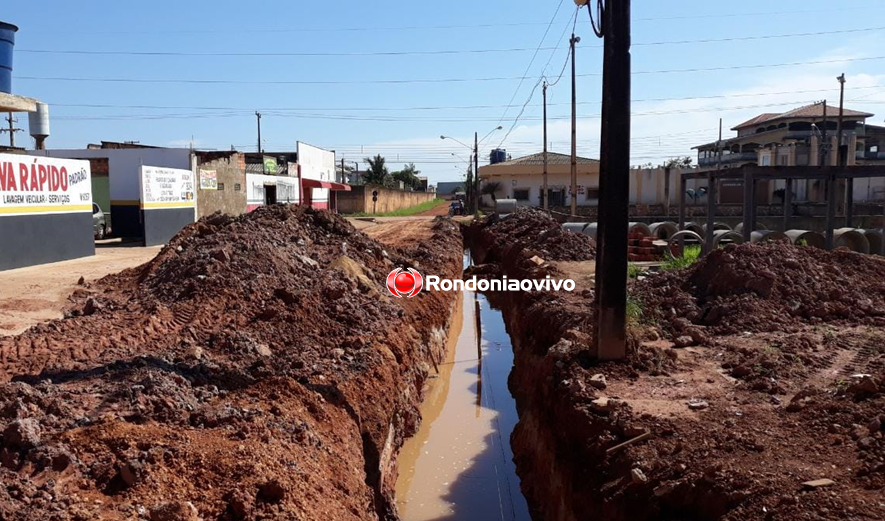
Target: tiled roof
815, 110
553, 158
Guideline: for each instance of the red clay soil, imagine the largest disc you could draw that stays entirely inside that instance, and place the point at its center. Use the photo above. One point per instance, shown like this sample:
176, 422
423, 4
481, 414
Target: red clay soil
253, 370
704, 443
532, 229
771, 286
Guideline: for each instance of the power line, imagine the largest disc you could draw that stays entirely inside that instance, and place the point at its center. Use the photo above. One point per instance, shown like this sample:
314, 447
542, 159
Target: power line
416, 80
464, 119
308, 54
442, 107
531, 62
367, 28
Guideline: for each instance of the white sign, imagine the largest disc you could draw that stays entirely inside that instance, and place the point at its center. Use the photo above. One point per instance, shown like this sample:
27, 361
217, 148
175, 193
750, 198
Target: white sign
208, 179
44, 185
166, 188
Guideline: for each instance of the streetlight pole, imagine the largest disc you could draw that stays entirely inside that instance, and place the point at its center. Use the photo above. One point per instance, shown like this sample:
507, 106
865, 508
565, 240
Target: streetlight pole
474, 201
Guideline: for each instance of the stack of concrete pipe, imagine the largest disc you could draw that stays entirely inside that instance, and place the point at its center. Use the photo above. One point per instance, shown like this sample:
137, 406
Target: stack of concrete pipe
869, 241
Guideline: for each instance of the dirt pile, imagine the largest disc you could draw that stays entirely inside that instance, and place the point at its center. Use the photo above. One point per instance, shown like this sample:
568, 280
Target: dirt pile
669, 434
252, 370
767, 287
530, 229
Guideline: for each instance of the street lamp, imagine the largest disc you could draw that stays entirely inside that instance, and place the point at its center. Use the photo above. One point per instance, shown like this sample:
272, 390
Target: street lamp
475, 148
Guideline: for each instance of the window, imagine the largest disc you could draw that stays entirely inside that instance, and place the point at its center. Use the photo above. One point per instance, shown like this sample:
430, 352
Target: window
95, 209
237, 187
521, 194
592, 193
220, 187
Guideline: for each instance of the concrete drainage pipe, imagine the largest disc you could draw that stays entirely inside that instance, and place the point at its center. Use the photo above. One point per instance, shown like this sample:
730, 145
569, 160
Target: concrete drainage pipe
756, 227
505, 206
719, 226
574, 227
694, 227
638, 229
689, 237
590, 230
876, 240
852, 239
724, 237
807, 238
767, 235
663, 230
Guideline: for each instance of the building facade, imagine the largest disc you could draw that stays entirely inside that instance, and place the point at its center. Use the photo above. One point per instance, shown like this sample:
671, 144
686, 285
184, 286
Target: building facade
523, 179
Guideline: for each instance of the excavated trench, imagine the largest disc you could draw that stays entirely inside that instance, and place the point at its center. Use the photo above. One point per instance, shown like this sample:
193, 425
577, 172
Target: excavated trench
459, 465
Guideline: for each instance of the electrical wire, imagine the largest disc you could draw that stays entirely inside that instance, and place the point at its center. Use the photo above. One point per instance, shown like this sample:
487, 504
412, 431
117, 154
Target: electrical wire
308, 54
251, 110
424, 80
532, 61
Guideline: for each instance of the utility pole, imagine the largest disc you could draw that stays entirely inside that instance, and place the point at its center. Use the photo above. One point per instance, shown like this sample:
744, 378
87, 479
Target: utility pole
843, 155
574, 188
258, 115
614, 184
544, 188
12, 130
475, 172
711, 195
824, 145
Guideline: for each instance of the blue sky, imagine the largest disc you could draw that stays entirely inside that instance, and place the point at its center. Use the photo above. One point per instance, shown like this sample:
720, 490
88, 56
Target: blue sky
343, 110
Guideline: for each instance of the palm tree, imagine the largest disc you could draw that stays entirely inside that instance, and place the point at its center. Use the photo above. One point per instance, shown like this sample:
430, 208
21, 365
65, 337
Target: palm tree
377, 173
491, 188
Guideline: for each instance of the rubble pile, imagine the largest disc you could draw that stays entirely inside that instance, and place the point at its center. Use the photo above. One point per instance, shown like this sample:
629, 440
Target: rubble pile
532, 229
251, 368
767, 287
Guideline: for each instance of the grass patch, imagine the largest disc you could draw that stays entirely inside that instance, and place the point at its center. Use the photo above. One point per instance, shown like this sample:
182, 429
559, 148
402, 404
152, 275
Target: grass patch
404, 212
633, 271
690, 255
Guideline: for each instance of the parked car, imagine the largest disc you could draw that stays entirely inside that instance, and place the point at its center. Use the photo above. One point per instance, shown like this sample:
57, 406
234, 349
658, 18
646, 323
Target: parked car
100, 228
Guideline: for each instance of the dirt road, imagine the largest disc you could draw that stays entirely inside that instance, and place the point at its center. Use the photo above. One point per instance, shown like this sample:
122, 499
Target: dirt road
37, 294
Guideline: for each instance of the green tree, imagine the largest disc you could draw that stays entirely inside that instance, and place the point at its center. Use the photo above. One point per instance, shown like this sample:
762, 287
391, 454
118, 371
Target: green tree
408, 175
491, 188
377, 173
678, 162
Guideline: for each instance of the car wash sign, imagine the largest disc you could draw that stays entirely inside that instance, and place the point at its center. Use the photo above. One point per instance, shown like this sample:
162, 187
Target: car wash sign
166, 188
42, 185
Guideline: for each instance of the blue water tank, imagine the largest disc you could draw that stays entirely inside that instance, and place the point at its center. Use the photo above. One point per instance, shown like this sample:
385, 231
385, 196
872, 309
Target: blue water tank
7, 42
498, 155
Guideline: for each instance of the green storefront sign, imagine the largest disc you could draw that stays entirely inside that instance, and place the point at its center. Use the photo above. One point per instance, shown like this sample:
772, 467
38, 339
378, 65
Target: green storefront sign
270, 165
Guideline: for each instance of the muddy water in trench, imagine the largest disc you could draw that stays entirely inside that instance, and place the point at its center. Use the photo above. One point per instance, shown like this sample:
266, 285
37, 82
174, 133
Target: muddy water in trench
459, 466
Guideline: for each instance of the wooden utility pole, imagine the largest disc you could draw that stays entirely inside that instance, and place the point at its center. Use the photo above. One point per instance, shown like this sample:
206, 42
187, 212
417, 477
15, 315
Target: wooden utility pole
614, 184
843, 154
574, 187
544, 190
709, 235
475, 172
258, 116
12, 130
